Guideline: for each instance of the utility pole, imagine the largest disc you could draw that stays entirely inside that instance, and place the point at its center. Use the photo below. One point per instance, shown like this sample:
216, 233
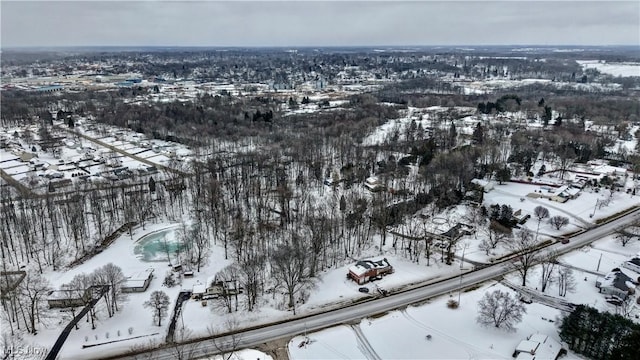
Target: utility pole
466, 245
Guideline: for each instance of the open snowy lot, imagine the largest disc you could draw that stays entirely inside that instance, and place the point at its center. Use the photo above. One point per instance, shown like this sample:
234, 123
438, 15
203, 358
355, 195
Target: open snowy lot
402, 334
615, 69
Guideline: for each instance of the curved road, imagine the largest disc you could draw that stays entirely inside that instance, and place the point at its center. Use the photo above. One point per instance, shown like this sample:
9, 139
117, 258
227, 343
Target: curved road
254, 337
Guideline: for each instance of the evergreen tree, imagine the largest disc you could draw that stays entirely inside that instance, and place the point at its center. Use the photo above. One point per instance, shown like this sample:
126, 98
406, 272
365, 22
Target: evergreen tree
478, 135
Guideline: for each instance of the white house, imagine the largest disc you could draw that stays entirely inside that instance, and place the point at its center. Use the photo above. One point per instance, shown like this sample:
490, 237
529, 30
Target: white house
199, 289
373, 184
215, 287
538, 346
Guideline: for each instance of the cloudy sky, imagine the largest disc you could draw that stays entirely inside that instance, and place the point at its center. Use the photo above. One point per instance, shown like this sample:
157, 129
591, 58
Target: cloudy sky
318, 23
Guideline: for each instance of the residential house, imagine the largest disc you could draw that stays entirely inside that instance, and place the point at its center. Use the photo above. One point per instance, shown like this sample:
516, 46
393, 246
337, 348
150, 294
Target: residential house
68, 297
366, 270
538, 346
138, 282
616, 283
216, 287
373, 184
567, 192
633, 264
198, 290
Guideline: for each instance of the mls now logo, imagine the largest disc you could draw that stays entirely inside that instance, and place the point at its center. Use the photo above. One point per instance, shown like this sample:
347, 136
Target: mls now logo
28, 352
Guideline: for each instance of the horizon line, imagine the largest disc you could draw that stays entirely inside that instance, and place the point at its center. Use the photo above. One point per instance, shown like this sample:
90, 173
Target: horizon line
41, 47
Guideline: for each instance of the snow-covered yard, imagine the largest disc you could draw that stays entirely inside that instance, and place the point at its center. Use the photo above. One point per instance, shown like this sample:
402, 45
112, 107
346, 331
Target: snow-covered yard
403, 334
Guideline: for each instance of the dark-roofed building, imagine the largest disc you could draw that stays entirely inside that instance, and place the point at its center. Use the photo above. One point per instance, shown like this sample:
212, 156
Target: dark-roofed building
68, 297
633, 264
371, 269
616, 283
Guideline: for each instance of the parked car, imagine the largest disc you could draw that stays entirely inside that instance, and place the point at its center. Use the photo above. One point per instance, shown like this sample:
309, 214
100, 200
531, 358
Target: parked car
364, 290
526, 299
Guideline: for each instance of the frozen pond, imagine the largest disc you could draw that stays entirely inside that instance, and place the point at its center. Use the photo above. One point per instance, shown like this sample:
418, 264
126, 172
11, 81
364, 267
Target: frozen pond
159, 245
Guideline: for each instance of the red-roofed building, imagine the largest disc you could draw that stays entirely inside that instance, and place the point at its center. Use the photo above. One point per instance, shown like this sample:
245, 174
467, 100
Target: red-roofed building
371, 269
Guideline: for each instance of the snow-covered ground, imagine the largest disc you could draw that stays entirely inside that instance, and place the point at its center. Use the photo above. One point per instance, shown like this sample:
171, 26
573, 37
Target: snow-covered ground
615, 69
397, 335
454, 334
332, 289
133, 315
403, 334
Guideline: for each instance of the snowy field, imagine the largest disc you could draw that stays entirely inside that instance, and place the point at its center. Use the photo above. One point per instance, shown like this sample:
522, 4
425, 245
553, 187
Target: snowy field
615, 69
454, 334
403, 334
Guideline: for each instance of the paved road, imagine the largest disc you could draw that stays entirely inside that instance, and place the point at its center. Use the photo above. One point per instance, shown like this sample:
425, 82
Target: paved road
254, 337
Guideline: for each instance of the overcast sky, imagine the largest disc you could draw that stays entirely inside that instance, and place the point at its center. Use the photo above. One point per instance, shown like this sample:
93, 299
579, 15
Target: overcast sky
324, 23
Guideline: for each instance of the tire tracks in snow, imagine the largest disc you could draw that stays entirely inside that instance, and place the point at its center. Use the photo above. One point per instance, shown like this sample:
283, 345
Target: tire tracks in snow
367, 350
473, 351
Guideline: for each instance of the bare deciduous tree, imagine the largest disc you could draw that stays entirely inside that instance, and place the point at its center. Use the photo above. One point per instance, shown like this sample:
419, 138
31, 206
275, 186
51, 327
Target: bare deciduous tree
499, 309
290, 269
111, 275
250, 274
496, 234
32, 291
541, 213
228, 344
548, 267
227, 280
566, 281
526, 257
81, 283
559, 222
159, 304
181, 349
624, 236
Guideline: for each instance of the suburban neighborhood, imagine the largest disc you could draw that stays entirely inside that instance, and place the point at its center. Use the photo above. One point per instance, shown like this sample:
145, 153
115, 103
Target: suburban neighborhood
318, 202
